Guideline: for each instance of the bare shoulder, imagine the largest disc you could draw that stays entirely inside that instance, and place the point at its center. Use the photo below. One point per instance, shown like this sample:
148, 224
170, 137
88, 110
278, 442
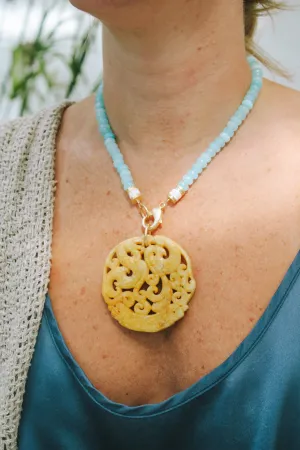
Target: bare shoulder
274, 127
282, 108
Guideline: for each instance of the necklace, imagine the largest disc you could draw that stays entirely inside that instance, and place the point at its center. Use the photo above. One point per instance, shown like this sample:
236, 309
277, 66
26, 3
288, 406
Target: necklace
148, 280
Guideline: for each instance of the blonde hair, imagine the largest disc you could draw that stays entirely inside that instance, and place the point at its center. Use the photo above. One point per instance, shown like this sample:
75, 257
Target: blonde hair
253, 9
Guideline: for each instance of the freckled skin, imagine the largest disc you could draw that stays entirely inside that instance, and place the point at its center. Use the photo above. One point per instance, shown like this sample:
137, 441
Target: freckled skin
239, 224
239, 254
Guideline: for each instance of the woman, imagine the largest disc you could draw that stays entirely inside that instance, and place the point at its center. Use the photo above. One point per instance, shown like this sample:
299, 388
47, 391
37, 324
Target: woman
226, 375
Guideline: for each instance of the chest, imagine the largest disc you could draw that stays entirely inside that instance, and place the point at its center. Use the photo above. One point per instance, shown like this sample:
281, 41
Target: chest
240, 244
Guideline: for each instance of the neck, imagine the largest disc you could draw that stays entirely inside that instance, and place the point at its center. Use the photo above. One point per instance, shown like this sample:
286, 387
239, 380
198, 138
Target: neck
174, 84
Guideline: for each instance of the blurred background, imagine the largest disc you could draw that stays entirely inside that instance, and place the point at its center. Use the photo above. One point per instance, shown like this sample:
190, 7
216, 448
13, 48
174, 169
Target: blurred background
50, 51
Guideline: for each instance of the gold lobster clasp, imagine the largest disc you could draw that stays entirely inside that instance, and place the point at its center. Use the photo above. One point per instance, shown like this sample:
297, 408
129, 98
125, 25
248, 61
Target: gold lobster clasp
152, 220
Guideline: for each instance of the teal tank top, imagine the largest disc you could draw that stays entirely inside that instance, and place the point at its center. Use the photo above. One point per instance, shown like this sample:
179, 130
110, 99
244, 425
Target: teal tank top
249, 402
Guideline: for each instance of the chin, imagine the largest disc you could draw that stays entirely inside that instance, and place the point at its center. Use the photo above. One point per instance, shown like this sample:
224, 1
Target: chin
121, 13
99, 7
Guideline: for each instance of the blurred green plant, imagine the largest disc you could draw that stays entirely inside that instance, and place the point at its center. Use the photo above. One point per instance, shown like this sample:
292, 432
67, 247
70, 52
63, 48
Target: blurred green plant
34, 73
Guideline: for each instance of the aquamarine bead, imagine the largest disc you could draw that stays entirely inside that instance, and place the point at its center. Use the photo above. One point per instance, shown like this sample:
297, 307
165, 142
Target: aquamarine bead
225, 137
252, 61
126, 178
101, 111
193, 174
257, 82
202, 162
248, 103
233, 125
245, 109
109, 134
127, 185
115, 154
112, 145
104, 129
253, 91
204, 159
109, 142
229, 131
236, 120
250, 96
184, 185
125, 174
241, 113
118, 164
221, 143
188, 179
214, 146
197, 168
212, 152
257, 72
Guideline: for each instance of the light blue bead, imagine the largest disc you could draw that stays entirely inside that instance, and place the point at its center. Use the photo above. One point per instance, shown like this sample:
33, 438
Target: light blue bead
109, 134
116, 155
118, 164
254, 88
252, 60
104, 129
202, 162
225, 137
251, 97
215, 147
233, 125
188, 179
211, 151
257, 82
125, 174
197, 169
241, 113
127, 185
221, 143
184, 185
206, 157
248, 103
109, 142
192, 174
126, 179
257, 72
236, 120
229, 132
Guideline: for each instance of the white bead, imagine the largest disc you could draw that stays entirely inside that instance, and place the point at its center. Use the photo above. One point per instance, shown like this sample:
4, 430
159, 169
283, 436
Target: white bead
175, 195
134, 193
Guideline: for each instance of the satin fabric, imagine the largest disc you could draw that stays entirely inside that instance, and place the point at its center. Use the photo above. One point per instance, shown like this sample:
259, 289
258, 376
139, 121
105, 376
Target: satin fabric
249, 402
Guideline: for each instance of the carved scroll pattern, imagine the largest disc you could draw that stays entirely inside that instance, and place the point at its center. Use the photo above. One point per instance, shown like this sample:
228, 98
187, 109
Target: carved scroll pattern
148, 283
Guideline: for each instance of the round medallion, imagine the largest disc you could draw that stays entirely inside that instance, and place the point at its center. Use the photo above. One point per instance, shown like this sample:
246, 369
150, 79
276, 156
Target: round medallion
148, 283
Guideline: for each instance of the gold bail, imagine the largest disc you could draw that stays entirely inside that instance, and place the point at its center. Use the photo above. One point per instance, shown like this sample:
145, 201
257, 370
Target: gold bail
152, 220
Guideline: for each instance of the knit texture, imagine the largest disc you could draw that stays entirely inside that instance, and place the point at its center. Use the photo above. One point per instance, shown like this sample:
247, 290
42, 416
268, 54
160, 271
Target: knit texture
27, 186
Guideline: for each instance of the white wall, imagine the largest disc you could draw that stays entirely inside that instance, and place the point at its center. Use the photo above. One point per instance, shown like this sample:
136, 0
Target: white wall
279, 36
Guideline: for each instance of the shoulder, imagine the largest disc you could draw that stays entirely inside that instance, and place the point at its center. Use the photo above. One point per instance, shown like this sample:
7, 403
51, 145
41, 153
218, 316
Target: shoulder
24, 137
27, 152
18, 132
274, 125
281, 108
275, 137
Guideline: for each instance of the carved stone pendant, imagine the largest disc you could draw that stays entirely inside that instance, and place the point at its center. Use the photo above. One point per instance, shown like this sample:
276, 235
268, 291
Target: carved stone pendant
148, 283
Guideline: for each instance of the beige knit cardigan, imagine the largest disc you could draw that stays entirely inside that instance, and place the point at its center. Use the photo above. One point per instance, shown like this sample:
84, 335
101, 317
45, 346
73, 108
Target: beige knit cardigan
27, 152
